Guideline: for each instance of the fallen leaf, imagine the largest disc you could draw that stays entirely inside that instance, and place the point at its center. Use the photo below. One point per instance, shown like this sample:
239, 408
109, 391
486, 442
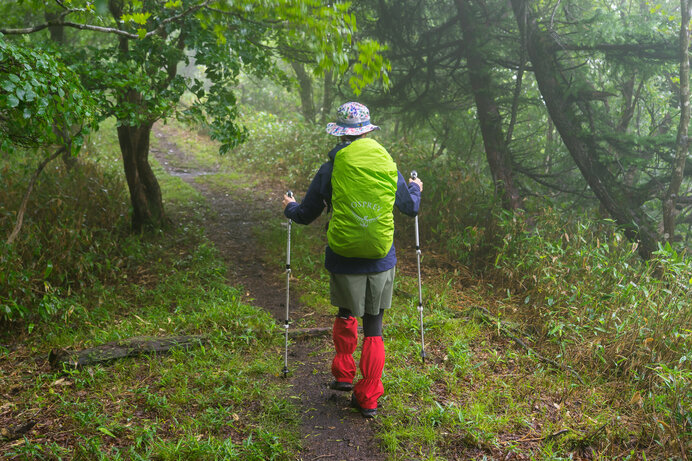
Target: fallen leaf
6, 406
637, 399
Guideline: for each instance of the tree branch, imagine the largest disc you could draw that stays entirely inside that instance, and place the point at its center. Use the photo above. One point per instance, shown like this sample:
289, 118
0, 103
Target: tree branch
108, 30
657, 51
25, 200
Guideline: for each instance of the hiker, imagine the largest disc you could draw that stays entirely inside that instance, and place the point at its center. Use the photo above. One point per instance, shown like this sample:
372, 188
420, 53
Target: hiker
360, 185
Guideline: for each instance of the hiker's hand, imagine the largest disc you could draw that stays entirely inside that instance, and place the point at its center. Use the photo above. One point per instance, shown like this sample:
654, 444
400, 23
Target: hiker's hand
288, 200
417, 181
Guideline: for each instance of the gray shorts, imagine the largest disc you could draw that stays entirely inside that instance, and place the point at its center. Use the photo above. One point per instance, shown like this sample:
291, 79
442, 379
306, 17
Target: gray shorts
362, 293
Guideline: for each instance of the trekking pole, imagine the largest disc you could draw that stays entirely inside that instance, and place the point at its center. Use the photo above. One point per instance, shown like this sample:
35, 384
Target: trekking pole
288, 281
414, 175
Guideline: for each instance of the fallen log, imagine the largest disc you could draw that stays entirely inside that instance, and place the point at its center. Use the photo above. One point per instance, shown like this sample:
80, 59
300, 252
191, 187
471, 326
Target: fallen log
130, 347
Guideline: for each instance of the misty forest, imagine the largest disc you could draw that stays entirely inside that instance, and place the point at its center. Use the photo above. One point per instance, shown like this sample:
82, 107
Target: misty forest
156, 303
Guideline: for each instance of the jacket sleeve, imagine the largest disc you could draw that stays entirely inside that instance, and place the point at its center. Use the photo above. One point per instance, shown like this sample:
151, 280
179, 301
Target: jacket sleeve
407, 197
316, 198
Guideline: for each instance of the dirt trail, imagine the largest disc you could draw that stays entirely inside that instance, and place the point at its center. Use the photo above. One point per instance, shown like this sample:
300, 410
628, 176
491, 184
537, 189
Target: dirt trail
330, 429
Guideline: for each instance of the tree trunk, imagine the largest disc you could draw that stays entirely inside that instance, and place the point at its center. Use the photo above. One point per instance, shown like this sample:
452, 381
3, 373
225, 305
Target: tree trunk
496, 150
306, 92
145, 193
682, 145
576, 132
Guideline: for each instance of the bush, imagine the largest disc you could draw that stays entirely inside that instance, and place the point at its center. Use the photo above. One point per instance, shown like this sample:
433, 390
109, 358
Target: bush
580, 285
289, 150
71, 237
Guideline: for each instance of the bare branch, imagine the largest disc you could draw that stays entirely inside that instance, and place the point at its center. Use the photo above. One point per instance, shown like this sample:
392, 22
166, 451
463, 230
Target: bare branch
657, 51
109, 30
25, 200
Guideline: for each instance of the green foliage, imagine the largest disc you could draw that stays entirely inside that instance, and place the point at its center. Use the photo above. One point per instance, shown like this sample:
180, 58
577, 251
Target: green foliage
72, 237
39, 98
141, 73
289, 149
581, 286
223, 400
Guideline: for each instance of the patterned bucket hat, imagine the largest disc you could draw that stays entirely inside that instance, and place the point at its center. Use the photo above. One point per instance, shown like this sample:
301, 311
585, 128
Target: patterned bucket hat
352, 119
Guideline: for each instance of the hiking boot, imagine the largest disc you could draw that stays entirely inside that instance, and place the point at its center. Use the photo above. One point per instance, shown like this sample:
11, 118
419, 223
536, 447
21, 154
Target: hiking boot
341, 386
365, 412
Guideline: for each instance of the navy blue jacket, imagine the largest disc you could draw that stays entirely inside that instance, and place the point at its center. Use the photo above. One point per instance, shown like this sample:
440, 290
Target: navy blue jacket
319, 197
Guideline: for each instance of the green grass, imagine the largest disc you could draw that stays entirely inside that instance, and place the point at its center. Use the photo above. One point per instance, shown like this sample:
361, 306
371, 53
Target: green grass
222, 400
479, 394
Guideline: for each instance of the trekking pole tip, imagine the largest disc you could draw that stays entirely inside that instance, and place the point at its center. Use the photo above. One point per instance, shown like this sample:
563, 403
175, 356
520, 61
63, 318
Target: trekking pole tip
422, 355
285, 372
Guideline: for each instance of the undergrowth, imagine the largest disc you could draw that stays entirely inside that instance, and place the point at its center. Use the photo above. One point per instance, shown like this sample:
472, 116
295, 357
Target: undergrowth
74, 234
574, 288
581, 289
78, 278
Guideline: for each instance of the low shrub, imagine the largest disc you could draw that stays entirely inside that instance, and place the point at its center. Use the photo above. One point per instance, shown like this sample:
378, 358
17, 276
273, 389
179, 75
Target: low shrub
581, 287
72, 236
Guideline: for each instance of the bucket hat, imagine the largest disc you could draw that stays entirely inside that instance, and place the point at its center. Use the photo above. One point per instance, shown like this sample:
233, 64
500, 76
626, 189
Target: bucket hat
352, 119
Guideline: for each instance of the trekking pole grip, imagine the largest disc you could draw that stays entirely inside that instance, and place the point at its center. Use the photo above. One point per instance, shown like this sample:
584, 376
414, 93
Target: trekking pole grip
414, 174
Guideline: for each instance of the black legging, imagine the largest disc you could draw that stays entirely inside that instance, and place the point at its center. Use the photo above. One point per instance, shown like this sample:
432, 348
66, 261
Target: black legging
372, 324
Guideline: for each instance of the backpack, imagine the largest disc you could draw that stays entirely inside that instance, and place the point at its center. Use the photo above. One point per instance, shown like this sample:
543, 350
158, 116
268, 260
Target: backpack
364, 180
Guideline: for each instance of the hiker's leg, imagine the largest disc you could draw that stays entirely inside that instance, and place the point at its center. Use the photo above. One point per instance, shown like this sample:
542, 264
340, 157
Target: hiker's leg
348, 294
369, 388
345, 336
378, 298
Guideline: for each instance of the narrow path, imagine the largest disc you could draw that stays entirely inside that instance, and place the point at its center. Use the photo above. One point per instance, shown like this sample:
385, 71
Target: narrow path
330, 429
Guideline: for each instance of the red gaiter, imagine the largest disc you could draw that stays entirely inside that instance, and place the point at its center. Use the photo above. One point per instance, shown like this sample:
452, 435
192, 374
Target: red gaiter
370, 387
345, 335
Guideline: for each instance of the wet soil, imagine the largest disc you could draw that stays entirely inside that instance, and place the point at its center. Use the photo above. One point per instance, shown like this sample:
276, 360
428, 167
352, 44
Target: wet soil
331, 430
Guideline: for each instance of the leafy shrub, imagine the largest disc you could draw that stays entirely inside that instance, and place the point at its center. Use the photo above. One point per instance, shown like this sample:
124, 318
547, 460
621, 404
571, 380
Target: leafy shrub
581, 286
287, 149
